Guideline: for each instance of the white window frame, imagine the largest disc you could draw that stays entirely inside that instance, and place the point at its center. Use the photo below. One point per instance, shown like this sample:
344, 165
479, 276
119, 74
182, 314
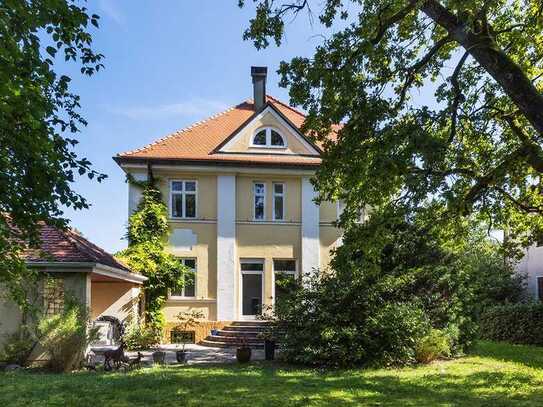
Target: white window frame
183, 194
268, 138
283, 195
183, 296
339, 211
257, 272
274, 271
254, 201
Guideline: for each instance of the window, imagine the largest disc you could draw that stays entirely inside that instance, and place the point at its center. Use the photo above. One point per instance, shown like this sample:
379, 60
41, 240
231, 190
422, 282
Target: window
259, 189
284, 266
183, 199
53, 296
540, 288
341, 205
189, 286
278, 201
276, 139
284, 278
268, 137
260, 138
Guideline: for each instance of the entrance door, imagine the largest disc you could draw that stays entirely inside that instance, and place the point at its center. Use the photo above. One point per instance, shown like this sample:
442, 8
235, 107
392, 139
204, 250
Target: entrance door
251, 287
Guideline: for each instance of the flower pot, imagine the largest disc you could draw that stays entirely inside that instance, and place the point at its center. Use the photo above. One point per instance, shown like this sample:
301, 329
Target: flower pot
269, 349
159, 357
243, 355
181, 356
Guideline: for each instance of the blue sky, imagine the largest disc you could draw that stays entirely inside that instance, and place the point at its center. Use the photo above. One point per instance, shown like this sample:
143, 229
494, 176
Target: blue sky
168, 64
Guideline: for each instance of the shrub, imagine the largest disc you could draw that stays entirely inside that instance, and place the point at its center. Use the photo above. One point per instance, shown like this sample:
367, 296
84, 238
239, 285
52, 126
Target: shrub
18, 346
436, 344
141, 337
391, 282
66, 336
515, 323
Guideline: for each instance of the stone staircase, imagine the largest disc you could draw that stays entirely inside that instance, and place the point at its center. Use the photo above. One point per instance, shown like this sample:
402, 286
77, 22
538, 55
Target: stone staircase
230, 336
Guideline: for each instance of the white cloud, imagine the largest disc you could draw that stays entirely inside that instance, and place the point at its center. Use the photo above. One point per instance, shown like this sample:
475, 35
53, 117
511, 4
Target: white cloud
109, 9
196, 107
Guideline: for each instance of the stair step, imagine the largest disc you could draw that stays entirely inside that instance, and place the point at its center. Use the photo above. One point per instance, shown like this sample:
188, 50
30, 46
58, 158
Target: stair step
250, 323
213, 344
239, 334
240, 328
233, 339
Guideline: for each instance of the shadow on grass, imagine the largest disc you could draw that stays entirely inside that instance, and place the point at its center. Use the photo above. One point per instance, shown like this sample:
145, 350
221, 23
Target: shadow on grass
531, 356
264, 385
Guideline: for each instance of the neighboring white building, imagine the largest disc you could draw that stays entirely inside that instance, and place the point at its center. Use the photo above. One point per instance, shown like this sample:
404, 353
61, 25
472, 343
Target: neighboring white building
532, 266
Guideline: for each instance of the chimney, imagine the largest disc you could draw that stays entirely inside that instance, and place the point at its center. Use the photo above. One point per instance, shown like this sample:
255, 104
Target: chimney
259, 86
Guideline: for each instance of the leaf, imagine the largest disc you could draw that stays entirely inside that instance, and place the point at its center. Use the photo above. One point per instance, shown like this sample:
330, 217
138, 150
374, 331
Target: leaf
51, 51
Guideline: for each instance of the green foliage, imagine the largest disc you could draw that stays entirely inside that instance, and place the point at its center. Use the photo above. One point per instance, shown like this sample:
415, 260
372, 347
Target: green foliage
435, 345
66, 336
147, 233
393, 280
515, 323
38, 111
18, 346
433, 101
141, 337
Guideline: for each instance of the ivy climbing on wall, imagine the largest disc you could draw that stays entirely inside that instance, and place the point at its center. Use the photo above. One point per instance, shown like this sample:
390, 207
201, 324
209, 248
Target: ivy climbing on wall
147, 234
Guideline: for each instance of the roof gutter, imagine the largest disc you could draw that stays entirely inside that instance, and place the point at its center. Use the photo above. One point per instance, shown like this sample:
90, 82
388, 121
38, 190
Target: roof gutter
97, 268
220, 163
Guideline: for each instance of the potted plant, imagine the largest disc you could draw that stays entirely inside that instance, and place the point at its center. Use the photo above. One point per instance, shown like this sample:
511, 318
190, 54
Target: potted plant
243, 352
159, 357
269, 343
187, 320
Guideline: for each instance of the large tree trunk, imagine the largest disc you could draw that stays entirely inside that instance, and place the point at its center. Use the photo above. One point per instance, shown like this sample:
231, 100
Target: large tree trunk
497, 63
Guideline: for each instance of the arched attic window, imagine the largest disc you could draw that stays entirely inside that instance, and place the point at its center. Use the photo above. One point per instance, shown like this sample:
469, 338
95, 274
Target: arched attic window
268, 137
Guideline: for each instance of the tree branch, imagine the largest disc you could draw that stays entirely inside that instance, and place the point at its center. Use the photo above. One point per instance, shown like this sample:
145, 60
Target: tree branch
389, 22
458, 96
520, 205
490, 178
494, 60
413, 69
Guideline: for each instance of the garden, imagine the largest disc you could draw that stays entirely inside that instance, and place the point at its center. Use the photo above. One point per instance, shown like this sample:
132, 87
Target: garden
492, 373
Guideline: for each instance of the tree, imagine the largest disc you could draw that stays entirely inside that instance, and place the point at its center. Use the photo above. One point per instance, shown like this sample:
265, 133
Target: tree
474, 145
38, 112
147, 233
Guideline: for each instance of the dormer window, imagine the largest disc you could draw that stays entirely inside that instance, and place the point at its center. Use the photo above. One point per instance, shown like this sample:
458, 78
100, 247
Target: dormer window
268, 137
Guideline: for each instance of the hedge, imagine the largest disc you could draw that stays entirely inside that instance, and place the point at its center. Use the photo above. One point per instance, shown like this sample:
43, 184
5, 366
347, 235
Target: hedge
515, 323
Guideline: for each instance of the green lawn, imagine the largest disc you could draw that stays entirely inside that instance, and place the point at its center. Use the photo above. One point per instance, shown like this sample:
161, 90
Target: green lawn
493, 375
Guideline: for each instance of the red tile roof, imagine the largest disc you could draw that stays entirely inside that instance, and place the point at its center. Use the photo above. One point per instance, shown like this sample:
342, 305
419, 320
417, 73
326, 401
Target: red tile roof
67, 246
199, 141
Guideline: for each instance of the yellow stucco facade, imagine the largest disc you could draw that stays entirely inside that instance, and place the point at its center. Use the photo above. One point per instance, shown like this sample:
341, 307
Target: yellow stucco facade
263, 240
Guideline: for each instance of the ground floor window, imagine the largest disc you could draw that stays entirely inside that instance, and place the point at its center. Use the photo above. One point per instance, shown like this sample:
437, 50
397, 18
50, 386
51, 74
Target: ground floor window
189, 287
284, 273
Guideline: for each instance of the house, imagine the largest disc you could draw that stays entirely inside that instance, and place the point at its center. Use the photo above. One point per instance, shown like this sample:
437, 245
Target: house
76, 266
241, 205
531, 266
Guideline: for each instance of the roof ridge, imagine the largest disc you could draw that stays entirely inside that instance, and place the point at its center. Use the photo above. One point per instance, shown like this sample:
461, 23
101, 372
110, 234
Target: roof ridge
286, 105
179, 132
82, 246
